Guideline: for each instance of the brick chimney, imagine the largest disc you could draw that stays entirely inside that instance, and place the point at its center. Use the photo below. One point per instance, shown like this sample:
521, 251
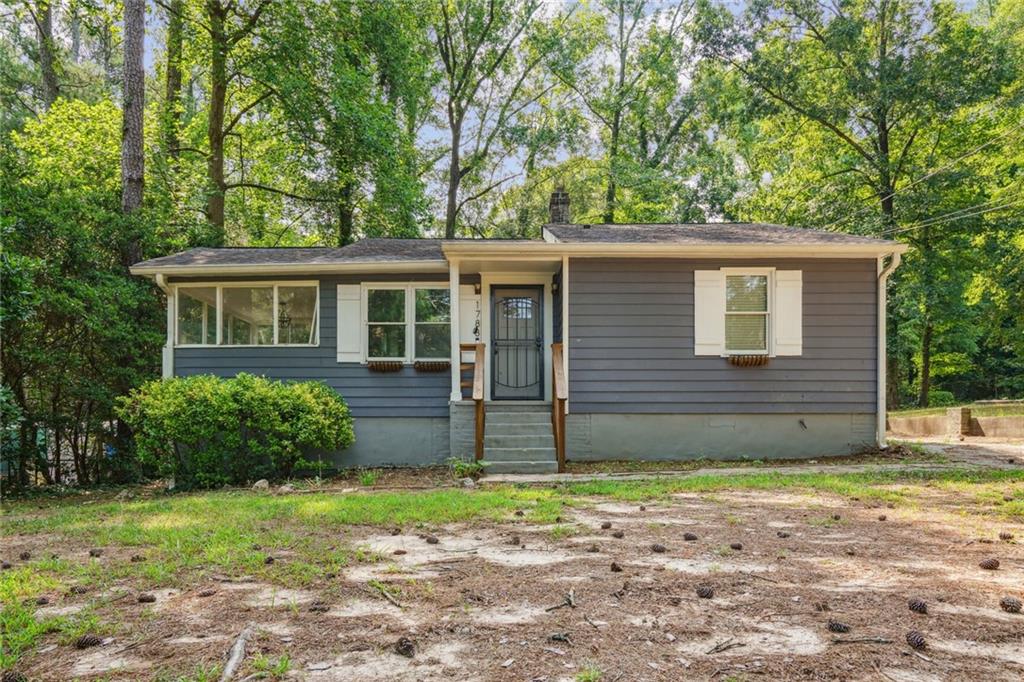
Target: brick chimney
558, 207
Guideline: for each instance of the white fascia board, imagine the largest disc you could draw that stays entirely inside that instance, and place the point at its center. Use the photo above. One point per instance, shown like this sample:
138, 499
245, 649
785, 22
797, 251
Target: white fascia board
549, 250
431, 266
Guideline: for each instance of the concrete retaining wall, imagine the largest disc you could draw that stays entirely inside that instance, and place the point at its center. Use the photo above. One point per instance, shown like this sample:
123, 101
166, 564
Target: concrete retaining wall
957, 422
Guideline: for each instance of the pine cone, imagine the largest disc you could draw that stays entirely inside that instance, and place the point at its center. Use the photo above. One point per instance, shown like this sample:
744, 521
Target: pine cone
1005, 536
87, 640
25, 556
146, 598
319, 607
690, 537
405, 647
616, 568
606, 525
783, 534
736, 546
916, 640
990, 564
705, 591
618, 534
1010, 604
918, 605
836, 626
658, 549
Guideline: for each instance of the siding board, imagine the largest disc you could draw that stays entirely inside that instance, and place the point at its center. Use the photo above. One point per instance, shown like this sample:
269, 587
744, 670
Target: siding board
407, 393
631, 344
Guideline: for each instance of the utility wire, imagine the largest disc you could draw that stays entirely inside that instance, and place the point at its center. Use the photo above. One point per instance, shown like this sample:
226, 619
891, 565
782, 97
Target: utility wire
938, 220
932, 174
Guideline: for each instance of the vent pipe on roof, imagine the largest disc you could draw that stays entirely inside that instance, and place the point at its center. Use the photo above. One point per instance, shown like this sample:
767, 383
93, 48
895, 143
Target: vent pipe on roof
558, 207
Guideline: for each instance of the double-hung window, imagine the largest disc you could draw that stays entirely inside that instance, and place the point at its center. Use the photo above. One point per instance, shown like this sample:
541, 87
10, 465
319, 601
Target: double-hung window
407, 322
249, 314
747, 313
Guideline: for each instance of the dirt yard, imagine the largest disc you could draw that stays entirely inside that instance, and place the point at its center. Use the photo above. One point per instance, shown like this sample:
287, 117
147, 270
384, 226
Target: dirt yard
601, 586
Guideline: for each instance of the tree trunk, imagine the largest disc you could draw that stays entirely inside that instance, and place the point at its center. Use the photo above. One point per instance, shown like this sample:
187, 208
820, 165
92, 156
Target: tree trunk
76, 36
346, 214
613, 154
47, 58
216, 14
454, 178
132, 160
926, 364
172, 100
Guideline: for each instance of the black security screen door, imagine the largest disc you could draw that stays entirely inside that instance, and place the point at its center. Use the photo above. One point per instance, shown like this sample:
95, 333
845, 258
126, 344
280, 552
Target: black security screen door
517, 336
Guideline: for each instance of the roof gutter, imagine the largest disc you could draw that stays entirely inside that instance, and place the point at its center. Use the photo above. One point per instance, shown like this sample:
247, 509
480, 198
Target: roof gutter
533, 250
883, 277
426, 266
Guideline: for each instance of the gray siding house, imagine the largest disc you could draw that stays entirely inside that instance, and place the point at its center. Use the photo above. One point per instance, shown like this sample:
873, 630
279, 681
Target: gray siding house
717, 340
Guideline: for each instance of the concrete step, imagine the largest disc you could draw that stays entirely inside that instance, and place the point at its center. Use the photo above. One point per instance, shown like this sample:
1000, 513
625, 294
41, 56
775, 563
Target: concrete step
517, 417
508, 406
520, 455
521, 468
531, 439
505, 429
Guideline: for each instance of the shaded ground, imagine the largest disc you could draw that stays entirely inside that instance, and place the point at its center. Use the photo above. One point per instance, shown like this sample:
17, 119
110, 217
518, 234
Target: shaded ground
533, 596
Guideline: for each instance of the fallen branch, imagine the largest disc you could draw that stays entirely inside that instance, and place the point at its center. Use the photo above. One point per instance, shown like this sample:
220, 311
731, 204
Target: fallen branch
237, 654
569, 600
861, 640
387, 595
760, 577
724, 646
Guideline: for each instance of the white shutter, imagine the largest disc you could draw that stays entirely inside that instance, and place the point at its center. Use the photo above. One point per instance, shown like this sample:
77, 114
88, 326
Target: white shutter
788, 312
708, 312
350, 323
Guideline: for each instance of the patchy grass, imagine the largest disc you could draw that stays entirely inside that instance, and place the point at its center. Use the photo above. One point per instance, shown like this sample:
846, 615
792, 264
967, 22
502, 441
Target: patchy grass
186, 538
1014, 410
882, 485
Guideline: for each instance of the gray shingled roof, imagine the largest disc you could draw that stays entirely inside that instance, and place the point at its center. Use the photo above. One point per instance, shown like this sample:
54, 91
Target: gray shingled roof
365, 251
703, 233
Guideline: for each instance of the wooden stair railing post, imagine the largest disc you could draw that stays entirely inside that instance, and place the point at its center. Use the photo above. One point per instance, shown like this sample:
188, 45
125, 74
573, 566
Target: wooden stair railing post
559, 394
477, 384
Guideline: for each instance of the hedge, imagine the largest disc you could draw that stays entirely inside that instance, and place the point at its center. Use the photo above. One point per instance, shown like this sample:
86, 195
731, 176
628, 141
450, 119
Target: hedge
207, 431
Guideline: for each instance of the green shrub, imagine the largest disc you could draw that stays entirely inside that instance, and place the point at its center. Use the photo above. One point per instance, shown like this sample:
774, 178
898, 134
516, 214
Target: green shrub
939, 398
206, 431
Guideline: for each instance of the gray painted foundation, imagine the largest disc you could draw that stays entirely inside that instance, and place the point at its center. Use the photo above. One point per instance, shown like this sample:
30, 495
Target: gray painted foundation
387, 441
462, 429
593, 437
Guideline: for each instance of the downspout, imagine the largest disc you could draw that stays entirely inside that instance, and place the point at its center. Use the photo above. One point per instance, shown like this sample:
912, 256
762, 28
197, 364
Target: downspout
167, 359
883, 277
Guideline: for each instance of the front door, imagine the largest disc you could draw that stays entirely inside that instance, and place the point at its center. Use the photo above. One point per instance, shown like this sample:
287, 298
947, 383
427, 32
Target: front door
517, 337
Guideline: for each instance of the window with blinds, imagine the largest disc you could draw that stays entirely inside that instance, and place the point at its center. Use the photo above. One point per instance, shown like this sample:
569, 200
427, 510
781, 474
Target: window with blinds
746, 314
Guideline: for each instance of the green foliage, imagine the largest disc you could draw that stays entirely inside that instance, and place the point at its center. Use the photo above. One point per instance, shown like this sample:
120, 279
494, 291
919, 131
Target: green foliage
461, 468
368, 477
939, 398
206, 431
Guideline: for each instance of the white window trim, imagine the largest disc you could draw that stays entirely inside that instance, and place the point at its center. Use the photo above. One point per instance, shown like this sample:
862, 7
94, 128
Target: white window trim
410, 289
220, 286
769, 273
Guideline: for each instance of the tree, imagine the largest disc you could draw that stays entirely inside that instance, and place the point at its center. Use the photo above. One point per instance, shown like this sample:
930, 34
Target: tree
880, 83
173, 76
133, 95
629, 63
352, 94
485, 64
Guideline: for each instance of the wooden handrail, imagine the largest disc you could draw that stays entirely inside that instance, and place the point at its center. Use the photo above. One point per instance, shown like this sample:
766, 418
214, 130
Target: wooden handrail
477, 385
559, 394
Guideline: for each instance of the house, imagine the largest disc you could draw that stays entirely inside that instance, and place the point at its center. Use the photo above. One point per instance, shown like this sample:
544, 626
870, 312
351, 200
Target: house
718, 340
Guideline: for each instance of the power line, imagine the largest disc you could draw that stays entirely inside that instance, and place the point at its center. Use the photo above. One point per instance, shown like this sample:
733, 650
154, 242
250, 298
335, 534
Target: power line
949, 217
932, 174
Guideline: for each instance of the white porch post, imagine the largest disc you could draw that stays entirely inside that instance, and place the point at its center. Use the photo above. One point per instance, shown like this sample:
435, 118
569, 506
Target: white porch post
565, 322
167, 353
453, 285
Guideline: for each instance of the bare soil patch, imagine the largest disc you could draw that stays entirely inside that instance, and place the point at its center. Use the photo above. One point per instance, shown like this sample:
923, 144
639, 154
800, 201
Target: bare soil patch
477, 606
